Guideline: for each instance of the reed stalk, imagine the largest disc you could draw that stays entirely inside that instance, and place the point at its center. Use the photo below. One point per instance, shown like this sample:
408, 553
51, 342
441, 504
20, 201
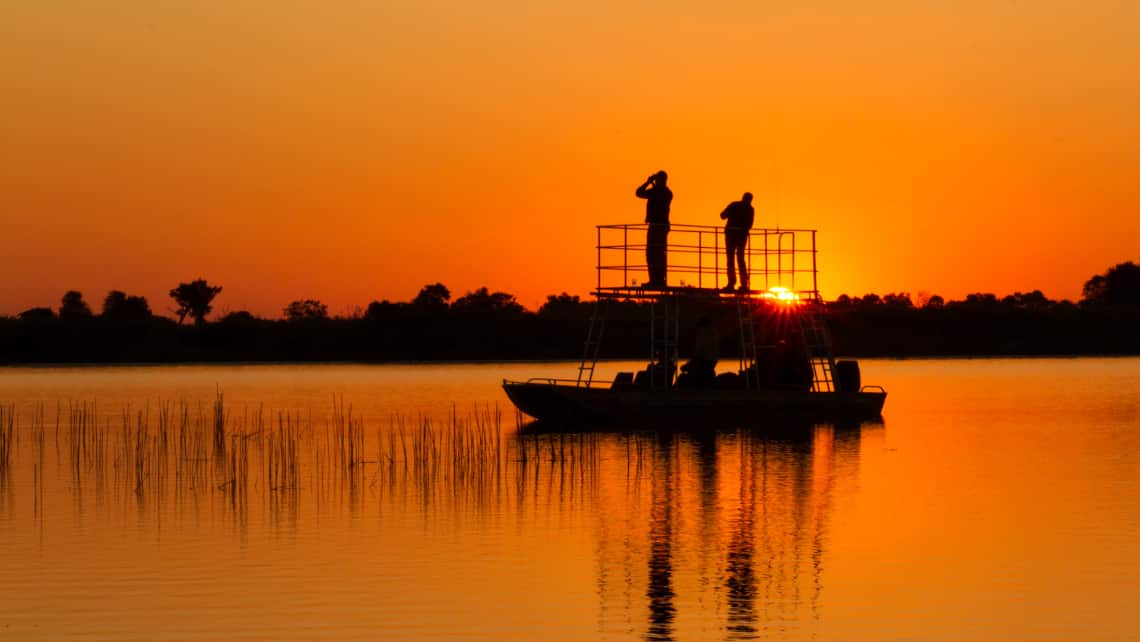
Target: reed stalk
7, 440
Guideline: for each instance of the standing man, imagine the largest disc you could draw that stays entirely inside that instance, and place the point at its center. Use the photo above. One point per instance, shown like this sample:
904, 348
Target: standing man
738, 221
658, 197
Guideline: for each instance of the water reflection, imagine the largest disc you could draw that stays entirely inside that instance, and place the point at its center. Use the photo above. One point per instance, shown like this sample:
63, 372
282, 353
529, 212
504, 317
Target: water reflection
816, 532
660, 592
753, 504
739, 572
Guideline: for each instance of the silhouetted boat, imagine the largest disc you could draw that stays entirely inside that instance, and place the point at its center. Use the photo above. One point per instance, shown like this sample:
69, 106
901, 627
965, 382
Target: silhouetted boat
559, 401
793, 375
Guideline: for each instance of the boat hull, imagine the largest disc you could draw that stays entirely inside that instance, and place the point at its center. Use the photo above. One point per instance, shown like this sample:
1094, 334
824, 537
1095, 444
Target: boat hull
553, 402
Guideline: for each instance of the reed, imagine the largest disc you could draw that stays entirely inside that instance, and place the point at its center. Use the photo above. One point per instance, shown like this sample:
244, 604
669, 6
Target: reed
7, 440
219, 422
145, 452
283, 465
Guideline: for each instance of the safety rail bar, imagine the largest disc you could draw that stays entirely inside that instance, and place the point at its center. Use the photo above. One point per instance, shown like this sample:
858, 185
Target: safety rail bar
554, 381
775, 258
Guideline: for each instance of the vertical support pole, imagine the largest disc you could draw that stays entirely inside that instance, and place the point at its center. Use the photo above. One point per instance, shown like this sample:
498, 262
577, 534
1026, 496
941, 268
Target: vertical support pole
700, 256
767, 284
673, 363
716, 261
653, 343
782, 283
793, 285
779, 257
814, 269
625, 256
598, 246
652, 328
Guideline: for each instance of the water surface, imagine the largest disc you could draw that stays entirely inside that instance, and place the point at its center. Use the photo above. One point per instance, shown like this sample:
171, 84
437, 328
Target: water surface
998, 500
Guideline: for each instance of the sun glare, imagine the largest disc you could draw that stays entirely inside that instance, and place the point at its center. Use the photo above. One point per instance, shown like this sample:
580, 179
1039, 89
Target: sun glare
781, 295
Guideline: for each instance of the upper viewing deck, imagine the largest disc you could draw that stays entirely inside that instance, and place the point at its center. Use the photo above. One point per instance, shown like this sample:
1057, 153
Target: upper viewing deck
781, 262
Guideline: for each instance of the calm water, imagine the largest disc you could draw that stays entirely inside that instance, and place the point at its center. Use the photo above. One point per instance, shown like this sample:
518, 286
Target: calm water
999, 500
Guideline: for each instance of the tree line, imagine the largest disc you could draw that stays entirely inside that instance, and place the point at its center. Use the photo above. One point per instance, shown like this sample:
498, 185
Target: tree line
193, 299
486, 324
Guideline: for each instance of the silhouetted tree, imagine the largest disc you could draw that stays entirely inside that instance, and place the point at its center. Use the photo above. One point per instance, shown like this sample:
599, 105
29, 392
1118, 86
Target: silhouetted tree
564, 306
385, 309
194, 299
36, 314
72, 306
240, 316
306, 310
935, 301
980, 299
482, 302
433, 297
869, 299
897, 300
117, 306
1119, 285
1034, 300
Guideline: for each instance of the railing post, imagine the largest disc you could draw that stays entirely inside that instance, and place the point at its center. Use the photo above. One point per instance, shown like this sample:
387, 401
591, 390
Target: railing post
767, 283
793, 287
814, 269
625, 255
599, 266
700, 257
716, 261
779, 258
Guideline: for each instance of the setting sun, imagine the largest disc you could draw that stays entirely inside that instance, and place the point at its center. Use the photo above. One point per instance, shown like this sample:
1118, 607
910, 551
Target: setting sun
781, 295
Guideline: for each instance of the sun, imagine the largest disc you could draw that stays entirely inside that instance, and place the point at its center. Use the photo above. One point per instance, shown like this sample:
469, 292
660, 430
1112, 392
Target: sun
781, 295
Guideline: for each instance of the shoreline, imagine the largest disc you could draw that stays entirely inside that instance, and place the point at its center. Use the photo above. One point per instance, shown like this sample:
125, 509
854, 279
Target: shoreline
521, 361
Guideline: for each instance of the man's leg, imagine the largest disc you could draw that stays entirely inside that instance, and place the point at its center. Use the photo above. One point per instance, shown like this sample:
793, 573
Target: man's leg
649, 254
655, 253
662, 246
728, 239
743, 265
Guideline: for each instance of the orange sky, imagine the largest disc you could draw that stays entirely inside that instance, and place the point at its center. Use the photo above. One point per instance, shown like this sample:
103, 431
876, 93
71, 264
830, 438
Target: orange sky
350, 151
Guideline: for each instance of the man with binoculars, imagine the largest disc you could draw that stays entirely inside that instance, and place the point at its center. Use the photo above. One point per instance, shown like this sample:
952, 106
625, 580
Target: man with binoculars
657, 199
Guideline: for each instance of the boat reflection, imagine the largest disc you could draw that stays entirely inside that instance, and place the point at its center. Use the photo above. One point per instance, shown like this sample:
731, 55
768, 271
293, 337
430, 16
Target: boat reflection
724, 521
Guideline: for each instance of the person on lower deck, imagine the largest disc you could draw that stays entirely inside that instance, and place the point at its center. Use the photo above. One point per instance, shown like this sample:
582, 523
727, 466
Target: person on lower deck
700, 371
657, 197
738, 217
658, 375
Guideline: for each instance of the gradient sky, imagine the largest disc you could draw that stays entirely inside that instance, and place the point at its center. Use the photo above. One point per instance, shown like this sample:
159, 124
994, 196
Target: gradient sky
351, 151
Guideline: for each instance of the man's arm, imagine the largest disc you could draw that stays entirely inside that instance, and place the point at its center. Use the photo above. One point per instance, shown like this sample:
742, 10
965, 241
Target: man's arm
728, 209
643, 191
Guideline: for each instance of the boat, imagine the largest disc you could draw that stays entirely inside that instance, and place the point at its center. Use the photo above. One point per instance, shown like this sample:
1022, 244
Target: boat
785, 368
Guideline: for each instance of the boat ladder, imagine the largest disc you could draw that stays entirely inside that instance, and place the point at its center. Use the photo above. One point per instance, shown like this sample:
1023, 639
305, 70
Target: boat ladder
663, 331
593, 343
747, 343
818, 346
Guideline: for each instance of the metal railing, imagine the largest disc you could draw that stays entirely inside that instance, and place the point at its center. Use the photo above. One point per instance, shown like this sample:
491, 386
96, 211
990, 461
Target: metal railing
697, 259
